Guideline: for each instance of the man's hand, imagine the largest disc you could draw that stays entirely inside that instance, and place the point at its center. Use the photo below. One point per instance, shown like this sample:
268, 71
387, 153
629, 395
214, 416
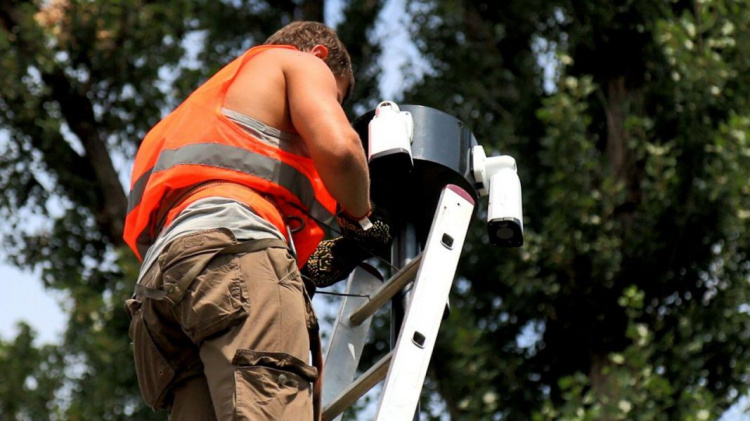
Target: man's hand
370, 232
336, 258
331, 262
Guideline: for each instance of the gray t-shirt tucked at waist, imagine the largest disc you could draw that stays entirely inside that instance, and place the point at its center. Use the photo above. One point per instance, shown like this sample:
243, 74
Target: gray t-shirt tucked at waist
211, 213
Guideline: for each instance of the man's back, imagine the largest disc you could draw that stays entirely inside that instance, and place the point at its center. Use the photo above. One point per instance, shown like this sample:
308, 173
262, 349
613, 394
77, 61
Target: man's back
296, 92
259, 90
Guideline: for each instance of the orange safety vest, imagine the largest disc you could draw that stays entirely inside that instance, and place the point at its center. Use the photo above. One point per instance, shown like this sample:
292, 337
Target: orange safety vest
197, 152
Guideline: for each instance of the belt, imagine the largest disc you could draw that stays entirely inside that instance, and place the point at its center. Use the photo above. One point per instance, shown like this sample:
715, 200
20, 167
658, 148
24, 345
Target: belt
187, 278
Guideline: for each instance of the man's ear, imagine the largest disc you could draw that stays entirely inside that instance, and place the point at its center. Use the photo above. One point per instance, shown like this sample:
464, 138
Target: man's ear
320, 51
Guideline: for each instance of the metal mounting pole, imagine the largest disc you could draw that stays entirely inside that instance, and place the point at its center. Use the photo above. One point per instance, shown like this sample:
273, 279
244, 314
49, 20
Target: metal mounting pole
405, 249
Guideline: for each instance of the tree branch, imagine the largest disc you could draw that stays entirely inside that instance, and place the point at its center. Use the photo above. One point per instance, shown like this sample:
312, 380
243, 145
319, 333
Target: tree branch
111, 203
79, 114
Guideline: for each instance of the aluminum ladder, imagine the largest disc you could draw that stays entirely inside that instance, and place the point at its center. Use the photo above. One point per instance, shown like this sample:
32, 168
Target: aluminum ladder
405, 366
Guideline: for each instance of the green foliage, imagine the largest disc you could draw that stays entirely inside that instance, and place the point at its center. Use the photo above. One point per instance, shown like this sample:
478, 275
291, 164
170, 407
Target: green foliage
635, 169
638, 390
30, 378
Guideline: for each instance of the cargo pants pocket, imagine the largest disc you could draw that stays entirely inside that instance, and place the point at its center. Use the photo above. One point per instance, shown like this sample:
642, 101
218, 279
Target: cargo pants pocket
205, 288
216, 300
272, 386
154, 373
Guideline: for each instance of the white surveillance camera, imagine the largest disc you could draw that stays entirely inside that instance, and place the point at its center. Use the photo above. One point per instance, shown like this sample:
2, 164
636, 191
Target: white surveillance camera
497, 177
389, 139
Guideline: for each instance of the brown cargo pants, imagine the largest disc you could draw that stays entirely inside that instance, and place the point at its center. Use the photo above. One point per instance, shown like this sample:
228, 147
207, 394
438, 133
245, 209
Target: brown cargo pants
220, 334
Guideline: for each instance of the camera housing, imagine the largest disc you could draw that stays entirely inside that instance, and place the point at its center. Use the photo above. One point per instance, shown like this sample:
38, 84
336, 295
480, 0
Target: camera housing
390, 134
497, 177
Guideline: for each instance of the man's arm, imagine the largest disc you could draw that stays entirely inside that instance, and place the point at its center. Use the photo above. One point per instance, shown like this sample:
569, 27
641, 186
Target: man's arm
334, 146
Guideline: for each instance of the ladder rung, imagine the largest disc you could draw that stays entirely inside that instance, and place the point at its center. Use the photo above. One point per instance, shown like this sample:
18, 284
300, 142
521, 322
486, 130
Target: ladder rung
386, 292
359, 387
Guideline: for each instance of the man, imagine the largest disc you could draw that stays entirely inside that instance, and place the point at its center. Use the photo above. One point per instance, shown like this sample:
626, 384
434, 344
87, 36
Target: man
226, 191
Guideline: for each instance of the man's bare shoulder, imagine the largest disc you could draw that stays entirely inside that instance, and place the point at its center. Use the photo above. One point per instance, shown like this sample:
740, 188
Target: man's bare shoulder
260, 88
274, 78
292, 60
281, 55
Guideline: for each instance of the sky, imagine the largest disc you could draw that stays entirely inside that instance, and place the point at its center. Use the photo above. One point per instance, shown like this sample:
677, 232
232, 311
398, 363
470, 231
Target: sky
25, 299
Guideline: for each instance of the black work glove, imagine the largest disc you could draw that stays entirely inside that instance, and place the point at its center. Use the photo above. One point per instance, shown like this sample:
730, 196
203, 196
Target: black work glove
370, 232
331, 262
336, 258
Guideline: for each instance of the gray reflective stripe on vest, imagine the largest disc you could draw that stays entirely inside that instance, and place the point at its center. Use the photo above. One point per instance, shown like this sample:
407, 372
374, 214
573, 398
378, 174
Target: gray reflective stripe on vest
237, 159
270, 135
263, 132
136, 193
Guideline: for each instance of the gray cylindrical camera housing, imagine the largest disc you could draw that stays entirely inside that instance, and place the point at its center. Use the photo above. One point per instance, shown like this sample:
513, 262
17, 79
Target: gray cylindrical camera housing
440, 149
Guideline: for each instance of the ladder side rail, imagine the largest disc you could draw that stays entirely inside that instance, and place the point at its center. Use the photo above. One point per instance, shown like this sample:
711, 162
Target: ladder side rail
347, 340
430, 290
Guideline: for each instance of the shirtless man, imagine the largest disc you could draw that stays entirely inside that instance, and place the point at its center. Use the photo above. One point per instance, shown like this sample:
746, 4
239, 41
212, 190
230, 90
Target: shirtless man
229, 195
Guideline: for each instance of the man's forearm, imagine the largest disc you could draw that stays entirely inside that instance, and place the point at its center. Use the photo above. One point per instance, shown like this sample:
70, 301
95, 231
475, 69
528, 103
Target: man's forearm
346, 177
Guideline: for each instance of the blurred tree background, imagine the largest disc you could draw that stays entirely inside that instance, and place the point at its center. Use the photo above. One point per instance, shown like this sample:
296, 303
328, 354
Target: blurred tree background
629, 120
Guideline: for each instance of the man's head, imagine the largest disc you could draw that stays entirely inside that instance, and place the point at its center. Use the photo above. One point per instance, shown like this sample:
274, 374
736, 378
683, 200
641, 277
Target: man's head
305, 35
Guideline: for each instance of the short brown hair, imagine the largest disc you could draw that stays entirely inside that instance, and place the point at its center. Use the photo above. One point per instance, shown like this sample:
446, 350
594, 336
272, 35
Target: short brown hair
306, 34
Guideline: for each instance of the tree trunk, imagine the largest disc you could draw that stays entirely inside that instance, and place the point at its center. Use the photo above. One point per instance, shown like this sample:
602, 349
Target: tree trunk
78, 112
616, 109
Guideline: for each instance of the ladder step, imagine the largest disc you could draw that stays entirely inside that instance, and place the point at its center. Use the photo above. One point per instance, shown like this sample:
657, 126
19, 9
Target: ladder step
389, 289
358, 388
